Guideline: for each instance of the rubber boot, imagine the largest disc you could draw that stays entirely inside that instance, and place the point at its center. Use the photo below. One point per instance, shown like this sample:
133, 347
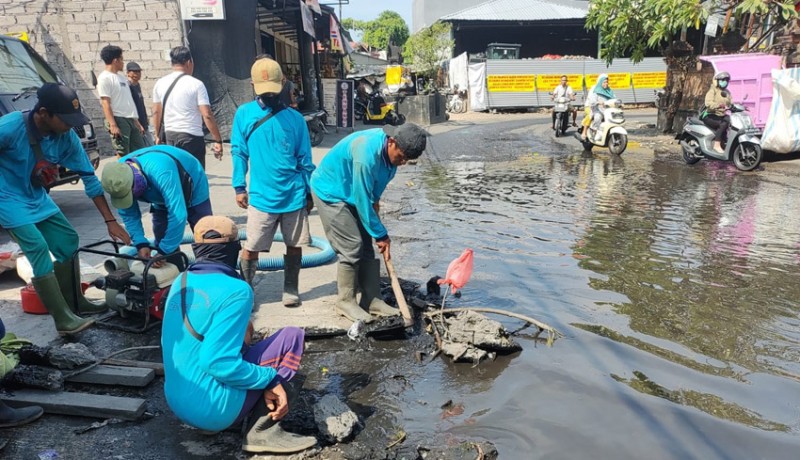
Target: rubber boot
369, 279
291, 277
68, 275
50, 294
346, 302
16, 417
265, 435
248, 267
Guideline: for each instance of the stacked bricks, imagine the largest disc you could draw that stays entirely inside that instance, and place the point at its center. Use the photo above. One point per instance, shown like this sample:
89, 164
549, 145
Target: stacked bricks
69, 34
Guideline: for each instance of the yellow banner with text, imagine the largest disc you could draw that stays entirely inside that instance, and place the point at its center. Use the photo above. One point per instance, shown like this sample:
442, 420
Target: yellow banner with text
650, 80
511, 83
615, 80
548, 83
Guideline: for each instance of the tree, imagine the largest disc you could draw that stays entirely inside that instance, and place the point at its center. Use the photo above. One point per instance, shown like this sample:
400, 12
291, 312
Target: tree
388, 27
628, 28
428, 47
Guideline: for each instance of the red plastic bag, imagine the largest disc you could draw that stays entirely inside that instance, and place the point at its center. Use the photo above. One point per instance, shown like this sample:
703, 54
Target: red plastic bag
459, 271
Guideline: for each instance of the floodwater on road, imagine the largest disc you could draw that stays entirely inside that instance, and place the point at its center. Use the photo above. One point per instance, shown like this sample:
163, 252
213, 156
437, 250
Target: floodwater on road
676, 287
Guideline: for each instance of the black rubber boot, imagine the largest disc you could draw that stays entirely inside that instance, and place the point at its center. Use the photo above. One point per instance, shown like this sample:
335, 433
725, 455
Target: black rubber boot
265, 435
50, 294
346, 302
291, 280
16, 417
68, 275
369, 280
248, 268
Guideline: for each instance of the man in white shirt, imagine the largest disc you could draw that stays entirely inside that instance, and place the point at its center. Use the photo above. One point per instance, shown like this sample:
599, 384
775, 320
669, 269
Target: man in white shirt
119, 110
564, 90
179, 121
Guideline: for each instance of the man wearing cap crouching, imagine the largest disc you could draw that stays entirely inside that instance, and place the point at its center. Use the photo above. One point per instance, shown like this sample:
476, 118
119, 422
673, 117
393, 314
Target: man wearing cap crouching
347, 187
32, 145
172, 181
273, 141
214, 376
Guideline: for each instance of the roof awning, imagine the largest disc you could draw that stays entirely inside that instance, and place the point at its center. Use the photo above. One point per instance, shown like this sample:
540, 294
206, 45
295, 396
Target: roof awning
521, 11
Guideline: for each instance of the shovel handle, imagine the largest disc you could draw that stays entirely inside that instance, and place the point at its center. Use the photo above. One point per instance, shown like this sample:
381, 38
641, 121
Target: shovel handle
398, 292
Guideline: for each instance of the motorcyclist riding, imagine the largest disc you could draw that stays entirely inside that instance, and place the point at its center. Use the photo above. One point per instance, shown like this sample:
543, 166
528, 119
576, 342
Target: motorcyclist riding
599, 94
564, 90
718, 100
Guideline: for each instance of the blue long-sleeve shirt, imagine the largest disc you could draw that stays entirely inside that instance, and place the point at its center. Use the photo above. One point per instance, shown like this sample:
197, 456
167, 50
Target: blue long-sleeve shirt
164, 190
357, 171
205, 383
20, 202
279, 156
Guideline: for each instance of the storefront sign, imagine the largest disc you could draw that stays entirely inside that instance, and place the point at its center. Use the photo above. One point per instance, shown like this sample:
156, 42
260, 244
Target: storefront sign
197, 10
615, 80
511, 83
336, 37
548, 83
344, 103
649, 80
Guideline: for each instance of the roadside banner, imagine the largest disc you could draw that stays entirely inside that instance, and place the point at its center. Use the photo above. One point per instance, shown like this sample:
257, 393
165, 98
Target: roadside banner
615, 80
548, 82
649, 80
511, 83
336, 37
308, 19
344, 103
314, 5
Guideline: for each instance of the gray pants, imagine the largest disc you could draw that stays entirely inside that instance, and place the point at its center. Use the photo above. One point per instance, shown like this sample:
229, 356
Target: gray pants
344, 231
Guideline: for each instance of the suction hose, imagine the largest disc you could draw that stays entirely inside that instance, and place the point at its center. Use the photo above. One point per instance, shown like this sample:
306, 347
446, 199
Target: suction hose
265, 262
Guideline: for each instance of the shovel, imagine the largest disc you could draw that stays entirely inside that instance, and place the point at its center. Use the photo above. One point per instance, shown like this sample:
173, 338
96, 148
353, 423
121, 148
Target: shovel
398, 292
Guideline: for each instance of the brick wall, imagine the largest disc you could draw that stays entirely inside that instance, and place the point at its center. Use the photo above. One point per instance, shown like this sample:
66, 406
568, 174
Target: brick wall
69, 35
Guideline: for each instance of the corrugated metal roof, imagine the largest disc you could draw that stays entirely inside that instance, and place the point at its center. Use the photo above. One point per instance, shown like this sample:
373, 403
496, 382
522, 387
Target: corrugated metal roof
522, 10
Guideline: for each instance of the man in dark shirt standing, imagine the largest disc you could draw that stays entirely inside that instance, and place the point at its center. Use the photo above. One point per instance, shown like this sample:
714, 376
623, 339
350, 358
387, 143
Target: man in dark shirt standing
134, 75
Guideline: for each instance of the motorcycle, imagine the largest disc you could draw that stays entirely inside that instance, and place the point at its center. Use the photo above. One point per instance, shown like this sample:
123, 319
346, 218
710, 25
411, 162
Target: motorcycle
375, 110
608, 131
456, 101
743, 145
316, 121
562, 110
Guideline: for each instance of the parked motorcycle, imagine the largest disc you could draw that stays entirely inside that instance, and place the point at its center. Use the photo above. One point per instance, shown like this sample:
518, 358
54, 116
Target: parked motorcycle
743, 145
608, 132
562, 110
456, 100
316, 121
375, 110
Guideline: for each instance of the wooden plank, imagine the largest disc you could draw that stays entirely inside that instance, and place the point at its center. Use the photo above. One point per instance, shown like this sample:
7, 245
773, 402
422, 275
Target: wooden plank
115, 375
157, 367
81, 404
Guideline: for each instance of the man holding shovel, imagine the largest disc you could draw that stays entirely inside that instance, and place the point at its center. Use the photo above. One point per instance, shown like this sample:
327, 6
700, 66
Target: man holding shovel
347, 187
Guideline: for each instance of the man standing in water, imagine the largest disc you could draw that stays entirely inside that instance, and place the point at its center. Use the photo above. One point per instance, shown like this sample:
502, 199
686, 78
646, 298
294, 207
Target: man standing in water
347, 188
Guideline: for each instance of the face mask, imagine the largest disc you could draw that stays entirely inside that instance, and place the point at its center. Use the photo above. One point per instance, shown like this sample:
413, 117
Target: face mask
723, 83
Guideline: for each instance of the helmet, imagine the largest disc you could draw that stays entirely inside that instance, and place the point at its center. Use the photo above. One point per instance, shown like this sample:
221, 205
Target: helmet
722, 76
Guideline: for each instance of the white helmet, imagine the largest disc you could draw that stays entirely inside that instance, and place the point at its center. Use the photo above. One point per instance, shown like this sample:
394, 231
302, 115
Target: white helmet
722, 76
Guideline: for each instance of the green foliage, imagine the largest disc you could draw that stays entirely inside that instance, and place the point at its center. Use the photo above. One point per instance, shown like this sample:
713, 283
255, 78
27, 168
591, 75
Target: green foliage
428, 47
388, 27
631, 27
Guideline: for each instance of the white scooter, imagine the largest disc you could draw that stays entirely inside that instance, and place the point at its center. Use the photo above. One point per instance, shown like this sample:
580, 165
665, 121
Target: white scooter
743, 146
608, 131
562, 111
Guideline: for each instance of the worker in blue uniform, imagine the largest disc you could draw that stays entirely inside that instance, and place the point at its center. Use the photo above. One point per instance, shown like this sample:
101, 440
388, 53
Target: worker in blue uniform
272, 141
347, 187
172, 181
214, 375
32, 146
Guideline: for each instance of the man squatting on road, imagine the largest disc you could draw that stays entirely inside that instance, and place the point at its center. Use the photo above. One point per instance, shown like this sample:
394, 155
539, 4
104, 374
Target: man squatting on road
347, 187
31, 146
214, 376
273, 140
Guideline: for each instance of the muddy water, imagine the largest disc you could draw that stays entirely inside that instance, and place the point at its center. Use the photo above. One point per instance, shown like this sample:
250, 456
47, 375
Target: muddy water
676, 286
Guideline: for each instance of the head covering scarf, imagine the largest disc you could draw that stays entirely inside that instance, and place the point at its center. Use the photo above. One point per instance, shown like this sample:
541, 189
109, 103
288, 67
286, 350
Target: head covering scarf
220, 253
599, 90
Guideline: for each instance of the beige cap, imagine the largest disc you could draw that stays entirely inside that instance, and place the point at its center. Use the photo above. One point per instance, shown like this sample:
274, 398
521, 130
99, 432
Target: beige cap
267, 76
220, 224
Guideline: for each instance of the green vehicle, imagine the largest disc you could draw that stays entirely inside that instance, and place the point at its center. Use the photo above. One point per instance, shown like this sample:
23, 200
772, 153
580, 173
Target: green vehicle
22, 72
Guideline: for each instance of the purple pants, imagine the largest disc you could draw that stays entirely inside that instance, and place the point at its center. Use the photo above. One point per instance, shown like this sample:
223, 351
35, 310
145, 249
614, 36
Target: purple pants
283, 351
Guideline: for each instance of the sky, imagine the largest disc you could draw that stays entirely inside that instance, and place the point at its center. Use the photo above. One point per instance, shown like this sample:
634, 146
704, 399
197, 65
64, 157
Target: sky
367, 10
